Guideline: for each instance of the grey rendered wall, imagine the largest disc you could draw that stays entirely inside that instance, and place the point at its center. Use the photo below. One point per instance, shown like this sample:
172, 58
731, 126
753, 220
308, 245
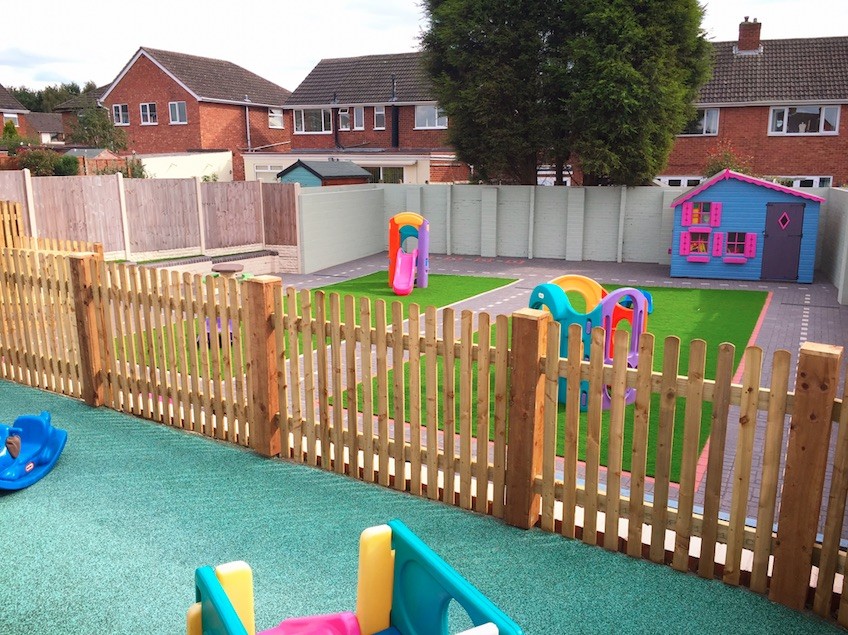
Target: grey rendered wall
600, 225
550, 227
833, 241
340, 224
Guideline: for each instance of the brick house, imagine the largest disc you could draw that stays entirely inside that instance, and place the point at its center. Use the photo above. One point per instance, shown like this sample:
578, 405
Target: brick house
10, 110
783, 104
377, 111
45, 126
71, 109
173, 102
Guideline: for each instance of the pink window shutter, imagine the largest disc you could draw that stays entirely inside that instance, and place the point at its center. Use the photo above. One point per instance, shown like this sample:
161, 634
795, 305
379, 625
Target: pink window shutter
684, 243
715, 214
750, 245
718, 243
686, 218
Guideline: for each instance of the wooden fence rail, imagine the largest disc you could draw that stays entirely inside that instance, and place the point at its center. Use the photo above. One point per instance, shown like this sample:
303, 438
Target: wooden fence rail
440, 405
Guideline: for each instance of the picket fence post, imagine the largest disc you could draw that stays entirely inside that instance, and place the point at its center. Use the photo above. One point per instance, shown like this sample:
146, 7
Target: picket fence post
89, 324
526, 416
261, 364
803, 479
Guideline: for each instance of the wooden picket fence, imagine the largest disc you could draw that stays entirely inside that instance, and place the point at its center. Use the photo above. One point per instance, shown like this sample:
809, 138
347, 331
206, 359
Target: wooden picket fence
11, 224
460, 409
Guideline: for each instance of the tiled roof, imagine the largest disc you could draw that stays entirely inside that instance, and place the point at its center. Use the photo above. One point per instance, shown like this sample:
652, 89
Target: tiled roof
219, 80
8, 101
365, 80
803, 69
328, 169
81, 101
45, 121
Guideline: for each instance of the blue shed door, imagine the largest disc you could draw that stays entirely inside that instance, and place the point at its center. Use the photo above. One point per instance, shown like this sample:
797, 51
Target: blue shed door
782, 242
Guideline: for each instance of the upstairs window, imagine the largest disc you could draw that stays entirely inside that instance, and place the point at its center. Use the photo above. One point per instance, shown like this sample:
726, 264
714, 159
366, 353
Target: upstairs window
121, 114
704, 123
344, 119
379, 117
148, 114
10, 116
430, 117
275, 118
178, 112
801, 120
359, 118
316, 121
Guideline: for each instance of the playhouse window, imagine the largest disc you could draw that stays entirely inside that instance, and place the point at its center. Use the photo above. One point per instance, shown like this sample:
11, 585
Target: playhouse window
701, 213
699, 242
735, 248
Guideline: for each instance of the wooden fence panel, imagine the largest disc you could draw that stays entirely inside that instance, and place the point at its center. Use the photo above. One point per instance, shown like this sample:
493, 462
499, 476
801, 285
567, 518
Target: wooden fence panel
13, 188
232, 213
11, 224
79, 208
162, 214
279, 204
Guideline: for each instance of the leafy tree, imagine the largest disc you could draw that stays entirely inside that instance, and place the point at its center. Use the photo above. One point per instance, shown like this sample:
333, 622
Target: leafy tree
94, 128
610, 82
11, 139
725, 157
46, 99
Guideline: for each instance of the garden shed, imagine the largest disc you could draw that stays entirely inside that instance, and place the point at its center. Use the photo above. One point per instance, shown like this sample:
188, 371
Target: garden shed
737, 227
318, 173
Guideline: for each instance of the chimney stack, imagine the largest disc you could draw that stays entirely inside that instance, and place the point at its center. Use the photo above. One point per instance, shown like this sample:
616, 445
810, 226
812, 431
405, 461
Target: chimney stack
749, 38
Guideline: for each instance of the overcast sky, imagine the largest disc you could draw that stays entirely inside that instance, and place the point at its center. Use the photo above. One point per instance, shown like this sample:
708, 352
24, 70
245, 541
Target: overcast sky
51, 42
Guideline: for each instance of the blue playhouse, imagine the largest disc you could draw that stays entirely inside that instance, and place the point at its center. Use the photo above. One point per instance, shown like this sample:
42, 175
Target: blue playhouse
737, 227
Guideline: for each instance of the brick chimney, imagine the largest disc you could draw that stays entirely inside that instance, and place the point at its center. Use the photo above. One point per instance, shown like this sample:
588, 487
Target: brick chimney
749, 38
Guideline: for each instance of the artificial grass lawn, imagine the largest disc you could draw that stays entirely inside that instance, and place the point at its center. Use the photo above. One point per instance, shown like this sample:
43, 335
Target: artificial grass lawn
441, 290
716, 316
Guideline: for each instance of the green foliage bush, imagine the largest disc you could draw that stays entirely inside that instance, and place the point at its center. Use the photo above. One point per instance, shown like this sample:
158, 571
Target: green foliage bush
48, 163
66, 165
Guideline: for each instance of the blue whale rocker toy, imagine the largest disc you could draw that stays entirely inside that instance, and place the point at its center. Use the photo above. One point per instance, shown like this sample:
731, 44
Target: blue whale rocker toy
29, 449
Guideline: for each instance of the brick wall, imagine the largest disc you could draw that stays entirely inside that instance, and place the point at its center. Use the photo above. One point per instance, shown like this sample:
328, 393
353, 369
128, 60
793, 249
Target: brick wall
746, 129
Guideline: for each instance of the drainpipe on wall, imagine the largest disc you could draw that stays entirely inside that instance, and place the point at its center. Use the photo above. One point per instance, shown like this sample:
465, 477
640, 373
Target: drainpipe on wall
247, 122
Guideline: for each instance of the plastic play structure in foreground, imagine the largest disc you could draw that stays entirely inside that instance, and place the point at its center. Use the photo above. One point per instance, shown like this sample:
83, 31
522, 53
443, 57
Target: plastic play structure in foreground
602, 309
29, 449
404, 588
408, 269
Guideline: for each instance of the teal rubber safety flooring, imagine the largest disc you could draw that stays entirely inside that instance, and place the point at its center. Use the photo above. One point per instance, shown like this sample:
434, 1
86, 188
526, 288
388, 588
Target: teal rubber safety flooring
108, 542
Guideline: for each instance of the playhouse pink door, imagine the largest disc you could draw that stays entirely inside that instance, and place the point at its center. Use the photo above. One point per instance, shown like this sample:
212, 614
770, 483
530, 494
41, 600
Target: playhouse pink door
782, 241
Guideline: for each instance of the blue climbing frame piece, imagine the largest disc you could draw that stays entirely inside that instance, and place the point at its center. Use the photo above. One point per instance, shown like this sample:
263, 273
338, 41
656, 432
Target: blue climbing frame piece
41, 445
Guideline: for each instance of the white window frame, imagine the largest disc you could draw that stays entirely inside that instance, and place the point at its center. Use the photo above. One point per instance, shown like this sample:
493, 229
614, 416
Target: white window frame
11, 116
359, 118
344, 119
820, 132
379, 110
118, 112
438, 113
326, 121
174, 113
276, 119
146, 119
705, 118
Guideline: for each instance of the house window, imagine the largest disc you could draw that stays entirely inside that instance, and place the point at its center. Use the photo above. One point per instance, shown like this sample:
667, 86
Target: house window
121, 114
704, 123
699, 242
701, 213
178, 113
10, 116
430, 117
148, 114
359, 118
803, 181
735, 244
344, 119
678, 181
275, 118
379, 117
313, 121
385, 175
799, 120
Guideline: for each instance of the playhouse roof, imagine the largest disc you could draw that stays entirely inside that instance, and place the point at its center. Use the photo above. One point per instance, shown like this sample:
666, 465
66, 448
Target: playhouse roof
328, 169
730, 174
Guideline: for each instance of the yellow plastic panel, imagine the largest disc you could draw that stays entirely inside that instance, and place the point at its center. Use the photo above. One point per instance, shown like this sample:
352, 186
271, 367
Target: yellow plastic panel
236, 579
194, 624
376, 576
408, 218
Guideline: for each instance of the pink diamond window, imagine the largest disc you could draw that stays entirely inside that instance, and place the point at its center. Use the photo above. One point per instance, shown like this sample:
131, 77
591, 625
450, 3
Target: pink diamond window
783, 221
